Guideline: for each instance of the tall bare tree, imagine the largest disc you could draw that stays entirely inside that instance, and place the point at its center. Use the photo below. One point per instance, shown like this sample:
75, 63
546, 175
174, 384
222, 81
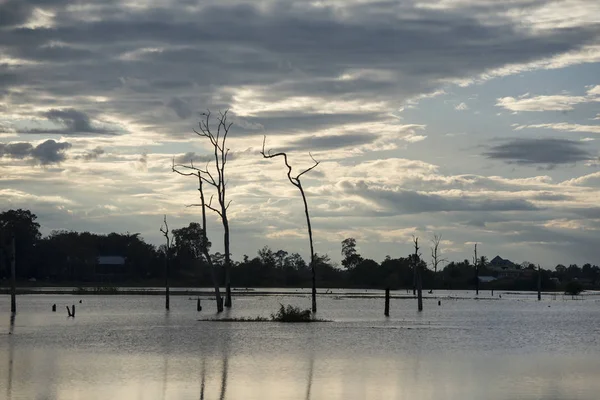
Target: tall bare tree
418, 273
193, 171
295, 180
165, 230
436, 258
217, 180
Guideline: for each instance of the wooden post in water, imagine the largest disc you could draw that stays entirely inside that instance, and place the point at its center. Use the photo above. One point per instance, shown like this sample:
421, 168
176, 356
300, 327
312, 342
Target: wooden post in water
53, 307
539, 283
198, 306
386, 312
13, 276
70, 311
420, 290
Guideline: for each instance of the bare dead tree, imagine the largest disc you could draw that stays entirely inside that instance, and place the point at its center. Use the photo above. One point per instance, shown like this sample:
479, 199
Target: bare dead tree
419, 275
436, 258
217, 180
165, 232
476, 265
193, 171
295, 180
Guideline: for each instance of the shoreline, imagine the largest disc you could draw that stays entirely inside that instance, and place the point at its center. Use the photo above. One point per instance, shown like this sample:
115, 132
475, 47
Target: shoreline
266, 293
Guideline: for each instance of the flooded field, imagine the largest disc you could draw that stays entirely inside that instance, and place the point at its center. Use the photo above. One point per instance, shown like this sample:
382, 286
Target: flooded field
129, 347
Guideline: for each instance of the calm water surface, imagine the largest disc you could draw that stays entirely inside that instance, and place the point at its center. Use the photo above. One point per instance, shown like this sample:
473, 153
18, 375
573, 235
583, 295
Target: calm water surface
128, 347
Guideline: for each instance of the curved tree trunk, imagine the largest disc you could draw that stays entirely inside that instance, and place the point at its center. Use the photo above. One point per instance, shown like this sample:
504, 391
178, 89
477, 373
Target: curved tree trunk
296, 182
312, 252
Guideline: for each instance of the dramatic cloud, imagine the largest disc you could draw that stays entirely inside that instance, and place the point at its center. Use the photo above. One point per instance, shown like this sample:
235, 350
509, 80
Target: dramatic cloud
48, 152
539, 151
369, 88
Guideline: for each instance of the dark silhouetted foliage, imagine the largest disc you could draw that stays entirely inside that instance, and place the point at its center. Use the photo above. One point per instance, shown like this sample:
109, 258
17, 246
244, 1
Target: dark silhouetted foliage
291, 313
573, 288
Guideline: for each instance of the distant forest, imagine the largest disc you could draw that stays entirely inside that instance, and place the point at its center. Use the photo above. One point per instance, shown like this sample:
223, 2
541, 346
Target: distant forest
67, 257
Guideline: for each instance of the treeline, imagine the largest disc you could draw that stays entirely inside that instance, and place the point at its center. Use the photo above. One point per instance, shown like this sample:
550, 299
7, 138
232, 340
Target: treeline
67, 256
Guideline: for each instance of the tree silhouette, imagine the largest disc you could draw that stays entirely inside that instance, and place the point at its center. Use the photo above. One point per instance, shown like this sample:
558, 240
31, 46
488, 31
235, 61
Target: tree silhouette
165, 232
351, 256
216, 178
295, 180
202, 247
436, 258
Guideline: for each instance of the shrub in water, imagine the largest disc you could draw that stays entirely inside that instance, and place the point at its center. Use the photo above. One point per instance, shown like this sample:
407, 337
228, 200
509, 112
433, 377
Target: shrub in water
291, 314
573, 288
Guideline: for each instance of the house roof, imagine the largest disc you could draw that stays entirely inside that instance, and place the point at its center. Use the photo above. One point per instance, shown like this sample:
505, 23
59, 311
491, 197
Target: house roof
111, 260
500, 261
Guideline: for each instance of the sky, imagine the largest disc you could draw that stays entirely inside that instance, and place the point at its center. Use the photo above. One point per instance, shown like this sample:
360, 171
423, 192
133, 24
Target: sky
474, 119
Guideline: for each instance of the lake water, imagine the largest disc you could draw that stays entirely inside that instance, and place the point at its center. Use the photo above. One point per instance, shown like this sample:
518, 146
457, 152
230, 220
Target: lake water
128, 347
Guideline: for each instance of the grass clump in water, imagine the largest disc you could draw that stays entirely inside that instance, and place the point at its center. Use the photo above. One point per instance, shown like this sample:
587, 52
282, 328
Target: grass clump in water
287, 313
291, 313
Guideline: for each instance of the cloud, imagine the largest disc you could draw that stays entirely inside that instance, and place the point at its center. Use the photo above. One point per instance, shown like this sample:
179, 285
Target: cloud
142, 162
45, 153
194, 158
16, 150
594, 91
14, 12
462, 107
541, 103
73, 122
414, 138
562, 126
539, 151
91, 155
412, 202
181, 108
50, 152
326, 74
562, 102
590, 180
329, 142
